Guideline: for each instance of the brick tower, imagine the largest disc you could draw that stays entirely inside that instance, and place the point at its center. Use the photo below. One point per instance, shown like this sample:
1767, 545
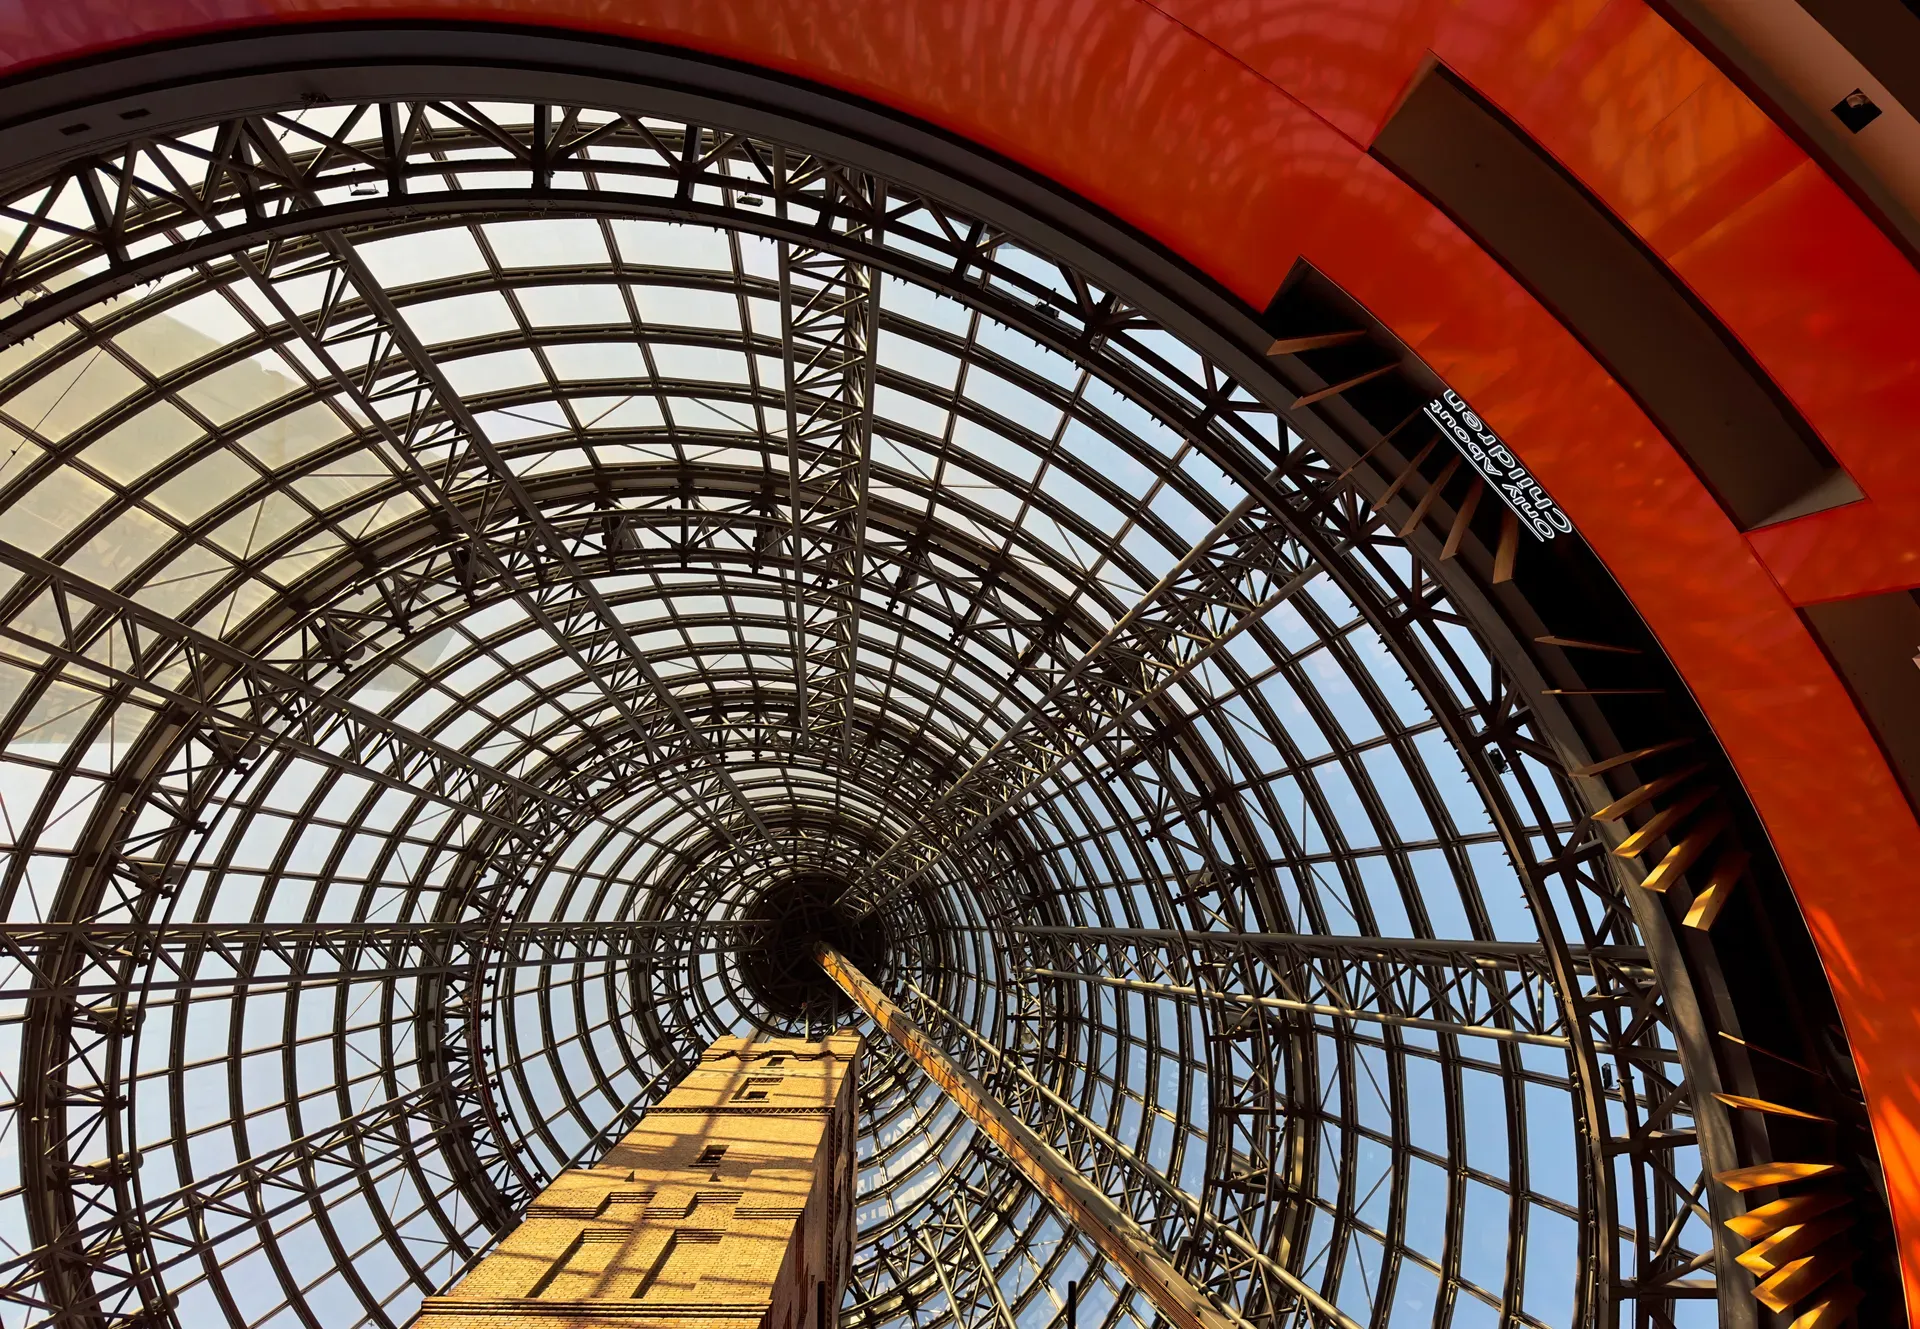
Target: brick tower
730, 1206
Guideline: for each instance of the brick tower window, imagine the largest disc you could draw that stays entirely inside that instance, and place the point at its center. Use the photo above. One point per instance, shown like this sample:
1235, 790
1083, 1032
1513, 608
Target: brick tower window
755, 1089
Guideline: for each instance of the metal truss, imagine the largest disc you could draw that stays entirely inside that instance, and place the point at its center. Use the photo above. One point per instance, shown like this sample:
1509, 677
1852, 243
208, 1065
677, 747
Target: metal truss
1137, 745
1471, 989
127, 1252
441, 441
262, 957
829, 327
970, 1284
236, 706
1504, 992
240, 705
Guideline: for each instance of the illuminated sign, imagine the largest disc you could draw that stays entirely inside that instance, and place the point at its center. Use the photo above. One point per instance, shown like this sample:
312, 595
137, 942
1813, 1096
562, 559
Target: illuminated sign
1500, 468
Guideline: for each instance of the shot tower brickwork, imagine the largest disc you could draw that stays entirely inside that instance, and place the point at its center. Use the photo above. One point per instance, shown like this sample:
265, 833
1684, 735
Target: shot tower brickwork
730, 1206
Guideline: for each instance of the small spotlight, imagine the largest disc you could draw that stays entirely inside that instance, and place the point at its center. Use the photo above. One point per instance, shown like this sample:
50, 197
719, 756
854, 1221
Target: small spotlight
1856, 111
751, 200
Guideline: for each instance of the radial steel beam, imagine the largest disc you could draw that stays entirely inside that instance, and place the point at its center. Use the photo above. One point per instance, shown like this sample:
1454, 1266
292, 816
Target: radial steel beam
829, 333
1462, 951
1083, 1205
1228, 580
275, 955
1468, 987
1191, 992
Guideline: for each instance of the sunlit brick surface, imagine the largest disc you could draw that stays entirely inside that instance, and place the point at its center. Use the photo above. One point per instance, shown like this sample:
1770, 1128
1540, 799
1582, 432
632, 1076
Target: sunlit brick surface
730, 1205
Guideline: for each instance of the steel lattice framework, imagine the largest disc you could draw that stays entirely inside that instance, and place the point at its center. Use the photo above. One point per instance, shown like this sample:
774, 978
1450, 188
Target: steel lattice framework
463, 559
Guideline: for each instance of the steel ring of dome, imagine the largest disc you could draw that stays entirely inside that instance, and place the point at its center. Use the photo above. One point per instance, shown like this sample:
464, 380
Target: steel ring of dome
489, 580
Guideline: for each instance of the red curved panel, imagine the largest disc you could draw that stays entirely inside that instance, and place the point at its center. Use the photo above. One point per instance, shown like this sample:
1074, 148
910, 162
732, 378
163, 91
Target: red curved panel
1233, 132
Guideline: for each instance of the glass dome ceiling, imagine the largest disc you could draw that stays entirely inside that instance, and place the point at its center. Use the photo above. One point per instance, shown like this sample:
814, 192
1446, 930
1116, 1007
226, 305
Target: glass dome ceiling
448, 653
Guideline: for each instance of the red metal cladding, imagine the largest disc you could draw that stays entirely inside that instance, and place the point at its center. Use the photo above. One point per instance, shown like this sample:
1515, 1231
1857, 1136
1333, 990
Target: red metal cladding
1233, 131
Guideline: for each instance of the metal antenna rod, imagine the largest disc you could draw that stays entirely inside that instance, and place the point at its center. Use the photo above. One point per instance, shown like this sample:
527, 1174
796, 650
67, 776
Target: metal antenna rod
1081, 1203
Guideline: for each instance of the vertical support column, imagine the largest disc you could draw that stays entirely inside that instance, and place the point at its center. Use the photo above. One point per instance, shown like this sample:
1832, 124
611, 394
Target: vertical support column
1082, 1204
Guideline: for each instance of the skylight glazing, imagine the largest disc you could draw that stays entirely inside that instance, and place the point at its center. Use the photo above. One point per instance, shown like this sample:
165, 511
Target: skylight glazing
432, 639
